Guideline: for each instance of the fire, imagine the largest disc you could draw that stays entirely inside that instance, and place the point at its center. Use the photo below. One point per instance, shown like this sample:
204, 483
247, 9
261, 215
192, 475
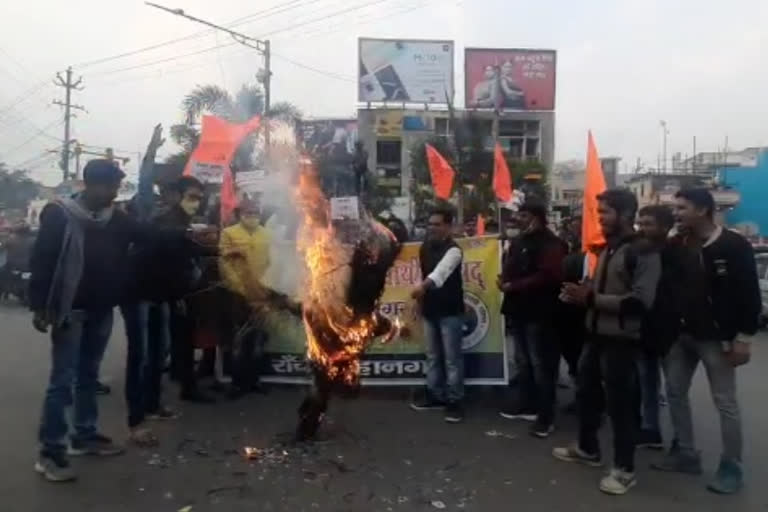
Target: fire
337, 334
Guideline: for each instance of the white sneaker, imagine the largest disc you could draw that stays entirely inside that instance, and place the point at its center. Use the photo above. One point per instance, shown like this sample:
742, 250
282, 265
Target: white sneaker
618, 482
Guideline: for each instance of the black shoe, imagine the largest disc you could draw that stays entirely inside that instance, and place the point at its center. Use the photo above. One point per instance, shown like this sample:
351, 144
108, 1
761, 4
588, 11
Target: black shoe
542, 430
518, 413
197, 396
650, 439
97, 444
454, 413
427, 404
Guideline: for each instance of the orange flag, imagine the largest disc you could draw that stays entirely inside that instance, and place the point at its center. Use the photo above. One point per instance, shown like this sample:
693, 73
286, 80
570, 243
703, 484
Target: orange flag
211, 159
480, 230
441, 172
594, 184
502, 181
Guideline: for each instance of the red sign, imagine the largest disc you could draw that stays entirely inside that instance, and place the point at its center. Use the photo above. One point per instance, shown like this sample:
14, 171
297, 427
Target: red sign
512, 79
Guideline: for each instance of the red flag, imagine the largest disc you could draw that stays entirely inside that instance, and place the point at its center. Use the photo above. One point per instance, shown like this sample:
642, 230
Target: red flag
502, 180
441, 172
219, 139
480, 231
594, 185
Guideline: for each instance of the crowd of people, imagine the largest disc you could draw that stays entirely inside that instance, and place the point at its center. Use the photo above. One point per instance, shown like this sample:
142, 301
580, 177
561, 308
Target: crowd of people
667, 291
653, 301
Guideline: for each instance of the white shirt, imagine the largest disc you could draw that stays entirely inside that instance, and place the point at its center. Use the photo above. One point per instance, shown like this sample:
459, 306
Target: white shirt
448, 263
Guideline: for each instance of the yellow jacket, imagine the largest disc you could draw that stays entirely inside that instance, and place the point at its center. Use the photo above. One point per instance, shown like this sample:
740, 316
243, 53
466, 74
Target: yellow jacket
243, 257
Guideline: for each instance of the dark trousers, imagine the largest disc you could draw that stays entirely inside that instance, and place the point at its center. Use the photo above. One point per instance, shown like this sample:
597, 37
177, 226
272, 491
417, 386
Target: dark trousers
146, 328
182, 347
571, 333
247, 347
537, 357
607, 380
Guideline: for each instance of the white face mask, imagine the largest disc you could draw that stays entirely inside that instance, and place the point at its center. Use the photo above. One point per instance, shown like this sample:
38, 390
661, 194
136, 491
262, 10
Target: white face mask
512, 232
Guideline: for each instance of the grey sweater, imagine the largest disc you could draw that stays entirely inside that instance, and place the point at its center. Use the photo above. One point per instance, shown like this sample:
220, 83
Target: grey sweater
624, 290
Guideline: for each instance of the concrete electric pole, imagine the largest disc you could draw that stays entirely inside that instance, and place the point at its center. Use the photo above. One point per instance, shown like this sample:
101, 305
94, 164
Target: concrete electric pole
68, 86
664, 150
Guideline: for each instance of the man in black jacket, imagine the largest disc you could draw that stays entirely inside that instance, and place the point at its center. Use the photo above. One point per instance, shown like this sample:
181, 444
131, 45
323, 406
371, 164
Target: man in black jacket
80, 271
720, 311
530, 282
441, 294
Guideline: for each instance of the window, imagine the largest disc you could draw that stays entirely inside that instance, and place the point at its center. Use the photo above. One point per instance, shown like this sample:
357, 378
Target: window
442, 126
388, 153
511, 128
531, 148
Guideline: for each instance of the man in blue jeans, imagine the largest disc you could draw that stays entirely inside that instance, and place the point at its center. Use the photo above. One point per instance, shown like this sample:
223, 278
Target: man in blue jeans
79, 273
441, 295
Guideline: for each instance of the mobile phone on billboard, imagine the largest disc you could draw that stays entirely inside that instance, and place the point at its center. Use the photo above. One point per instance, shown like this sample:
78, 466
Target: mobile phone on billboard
390, 82
370, 89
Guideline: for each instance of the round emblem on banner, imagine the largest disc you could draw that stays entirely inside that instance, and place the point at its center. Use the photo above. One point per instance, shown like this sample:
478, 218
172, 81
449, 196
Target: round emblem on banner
476, 321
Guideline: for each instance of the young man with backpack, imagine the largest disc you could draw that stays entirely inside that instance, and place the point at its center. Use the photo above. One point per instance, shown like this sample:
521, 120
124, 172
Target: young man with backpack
720, 311
616, 301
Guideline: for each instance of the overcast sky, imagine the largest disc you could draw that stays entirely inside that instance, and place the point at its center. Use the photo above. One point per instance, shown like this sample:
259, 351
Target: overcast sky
623, 65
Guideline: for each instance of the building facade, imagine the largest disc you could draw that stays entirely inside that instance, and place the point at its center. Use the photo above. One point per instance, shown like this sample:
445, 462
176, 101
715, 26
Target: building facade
750, 180
390, 134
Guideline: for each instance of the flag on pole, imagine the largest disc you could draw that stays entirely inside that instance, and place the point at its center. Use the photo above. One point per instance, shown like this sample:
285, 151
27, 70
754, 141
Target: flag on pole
211, 159
480, 230
594, 184
441, 172
502, 180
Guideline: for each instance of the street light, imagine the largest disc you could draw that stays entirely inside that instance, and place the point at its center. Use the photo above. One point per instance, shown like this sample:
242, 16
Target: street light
665, 131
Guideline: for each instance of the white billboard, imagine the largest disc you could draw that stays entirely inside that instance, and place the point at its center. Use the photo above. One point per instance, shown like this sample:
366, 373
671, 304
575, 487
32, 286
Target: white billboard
405, 70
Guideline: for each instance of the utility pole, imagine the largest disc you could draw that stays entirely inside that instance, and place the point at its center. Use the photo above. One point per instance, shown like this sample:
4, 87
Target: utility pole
68, 86
664, 151
262, 47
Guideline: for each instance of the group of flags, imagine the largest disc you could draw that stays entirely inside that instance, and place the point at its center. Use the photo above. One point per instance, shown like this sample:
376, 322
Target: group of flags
591, 236
219, 140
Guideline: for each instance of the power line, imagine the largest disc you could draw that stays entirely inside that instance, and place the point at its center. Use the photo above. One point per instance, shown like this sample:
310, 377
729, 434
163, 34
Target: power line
23, 97
56, 122
239, 21
225, 45
330, 74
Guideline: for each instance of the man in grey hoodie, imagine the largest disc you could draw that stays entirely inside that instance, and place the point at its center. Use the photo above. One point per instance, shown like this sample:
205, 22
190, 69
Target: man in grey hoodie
617, 298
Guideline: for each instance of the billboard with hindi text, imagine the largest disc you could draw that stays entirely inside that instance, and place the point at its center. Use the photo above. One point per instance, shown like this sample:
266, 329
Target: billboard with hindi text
510, 79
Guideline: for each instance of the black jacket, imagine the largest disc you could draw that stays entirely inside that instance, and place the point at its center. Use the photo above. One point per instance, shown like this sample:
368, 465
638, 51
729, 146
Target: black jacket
448, 300
722, 292
533, 268
166, 272
107, 267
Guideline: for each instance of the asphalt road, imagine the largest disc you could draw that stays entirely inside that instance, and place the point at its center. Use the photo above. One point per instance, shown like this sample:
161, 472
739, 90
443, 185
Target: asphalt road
378, 455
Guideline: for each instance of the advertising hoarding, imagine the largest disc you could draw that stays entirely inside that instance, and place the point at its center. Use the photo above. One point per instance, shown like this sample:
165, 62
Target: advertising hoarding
329, 136
510, 79
405, 70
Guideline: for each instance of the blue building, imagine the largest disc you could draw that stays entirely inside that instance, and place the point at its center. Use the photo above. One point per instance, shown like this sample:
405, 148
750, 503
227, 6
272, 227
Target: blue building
750, 178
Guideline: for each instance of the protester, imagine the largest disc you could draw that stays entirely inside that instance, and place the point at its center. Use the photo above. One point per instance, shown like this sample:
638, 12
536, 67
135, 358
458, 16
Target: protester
76, 281
720, 312
661, 324
570, 326
441, 296
146, 322
244, 259
530, 281
360, 168
170, 275
616, 301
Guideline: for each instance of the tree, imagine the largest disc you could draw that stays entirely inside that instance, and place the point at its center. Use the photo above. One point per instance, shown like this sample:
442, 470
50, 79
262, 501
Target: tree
244, 105
474, 175
17, 189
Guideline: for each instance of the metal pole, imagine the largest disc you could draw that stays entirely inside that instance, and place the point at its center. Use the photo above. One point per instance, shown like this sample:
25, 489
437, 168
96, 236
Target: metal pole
67, 112
267, 93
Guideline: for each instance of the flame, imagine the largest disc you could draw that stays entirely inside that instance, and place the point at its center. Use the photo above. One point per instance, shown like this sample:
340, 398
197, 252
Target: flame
336, 335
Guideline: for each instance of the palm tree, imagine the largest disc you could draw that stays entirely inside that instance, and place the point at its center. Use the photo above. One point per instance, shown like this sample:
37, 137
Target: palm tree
245, 104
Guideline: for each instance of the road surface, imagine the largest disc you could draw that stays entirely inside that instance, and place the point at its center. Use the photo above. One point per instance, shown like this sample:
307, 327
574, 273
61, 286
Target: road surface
378, 455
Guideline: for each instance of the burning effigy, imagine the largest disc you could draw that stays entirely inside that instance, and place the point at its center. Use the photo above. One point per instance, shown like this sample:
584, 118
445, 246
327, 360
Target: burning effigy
346, 267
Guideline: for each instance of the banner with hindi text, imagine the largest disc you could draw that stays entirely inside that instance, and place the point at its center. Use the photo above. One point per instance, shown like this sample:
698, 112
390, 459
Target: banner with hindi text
402, 361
